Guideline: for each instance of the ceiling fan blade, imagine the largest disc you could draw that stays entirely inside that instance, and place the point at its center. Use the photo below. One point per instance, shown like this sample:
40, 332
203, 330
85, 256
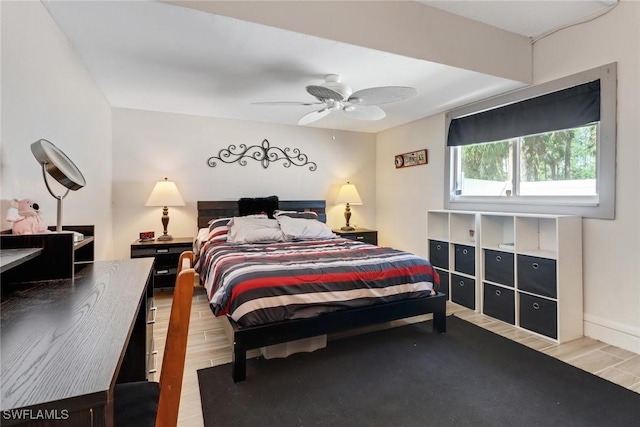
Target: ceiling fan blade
382, 95
364, 112
293, 103
313, 116
322, 92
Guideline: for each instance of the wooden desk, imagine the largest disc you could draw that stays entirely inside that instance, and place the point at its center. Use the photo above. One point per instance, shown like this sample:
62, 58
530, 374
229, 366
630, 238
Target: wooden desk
10, 258
65, 342
60, 255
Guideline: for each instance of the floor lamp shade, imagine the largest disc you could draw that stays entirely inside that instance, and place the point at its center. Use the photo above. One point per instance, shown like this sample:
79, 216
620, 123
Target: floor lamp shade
348, 194
165, 194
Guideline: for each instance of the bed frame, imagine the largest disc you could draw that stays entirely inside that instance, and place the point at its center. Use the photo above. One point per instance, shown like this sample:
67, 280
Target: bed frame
248, 338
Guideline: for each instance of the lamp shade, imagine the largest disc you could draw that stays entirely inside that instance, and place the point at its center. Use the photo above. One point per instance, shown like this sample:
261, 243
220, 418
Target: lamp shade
349, 194
165, 193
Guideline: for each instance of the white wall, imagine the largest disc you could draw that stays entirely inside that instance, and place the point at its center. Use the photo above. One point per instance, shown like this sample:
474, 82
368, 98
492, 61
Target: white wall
405, 195
611, 251
147, 146
48, 93
610, 248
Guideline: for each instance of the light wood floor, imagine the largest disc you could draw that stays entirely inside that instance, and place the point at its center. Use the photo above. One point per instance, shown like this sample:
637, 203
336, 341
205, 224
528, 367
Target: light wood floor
208, 346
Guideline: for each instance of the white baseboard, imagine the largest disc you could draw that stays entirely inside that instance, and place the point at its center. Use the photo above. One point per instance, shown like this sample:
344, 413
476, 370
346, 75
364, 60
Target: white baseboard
612, 333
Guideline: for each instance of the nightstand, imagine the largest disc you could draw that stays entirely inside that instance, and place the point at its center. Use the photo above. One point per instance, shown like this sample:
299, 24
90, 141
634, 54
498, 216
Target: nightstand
360, 234
166, 254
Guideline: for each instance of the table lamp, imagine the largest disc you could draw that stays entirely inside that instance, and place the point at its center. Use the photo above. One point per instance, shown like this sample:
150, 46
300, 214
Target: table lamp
165, 194
348, 194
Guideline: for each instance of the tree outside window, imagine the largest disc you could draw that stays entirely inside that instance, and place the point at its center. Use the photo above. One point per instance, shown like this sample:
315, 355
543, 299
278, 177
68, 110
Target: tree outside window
559, 163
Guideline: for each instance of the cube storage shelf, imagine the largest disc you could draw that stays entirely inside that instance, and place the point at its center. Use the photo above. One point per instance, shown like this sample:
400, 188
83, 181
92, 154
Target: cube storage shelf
525, 270
453, 252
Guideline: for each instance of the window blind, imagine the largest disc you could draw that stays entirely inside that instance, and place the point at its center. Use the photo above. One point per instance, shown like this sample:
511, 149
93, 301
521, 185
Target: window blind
564, 109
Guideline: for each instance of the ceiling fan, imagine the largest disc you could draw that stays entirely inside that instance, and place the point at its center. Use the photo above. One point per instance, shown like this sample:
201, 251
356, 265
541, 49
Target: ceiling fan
333, 95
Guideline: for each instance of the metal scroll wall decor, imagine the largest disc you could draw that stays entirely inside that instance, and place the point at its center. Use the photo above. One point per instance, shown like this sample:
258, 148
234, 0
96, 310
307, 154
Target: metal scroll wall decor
263, 153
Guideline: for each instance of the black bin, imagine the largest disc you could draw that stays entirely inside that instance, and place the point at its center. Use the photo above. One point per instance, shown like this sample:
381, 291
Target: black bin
539, 315
465, 259
499, 303
463, 291
498, 267
444, 281
439, 254
537, 275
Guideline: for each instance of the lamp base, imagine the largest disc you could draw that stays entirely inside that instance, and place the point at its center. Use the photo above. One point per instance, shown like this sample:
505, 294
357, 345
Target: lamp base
347, 228
165, 237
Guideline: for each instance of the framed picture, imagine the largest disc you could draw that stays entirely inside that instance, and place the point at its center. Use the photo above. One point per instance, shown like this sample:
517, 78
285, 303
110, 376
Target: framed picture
413, 158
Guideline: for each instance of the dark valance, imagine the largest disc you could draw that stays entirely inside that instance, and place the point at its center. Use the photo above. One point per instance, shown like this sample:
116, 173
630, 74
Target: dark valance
564, 109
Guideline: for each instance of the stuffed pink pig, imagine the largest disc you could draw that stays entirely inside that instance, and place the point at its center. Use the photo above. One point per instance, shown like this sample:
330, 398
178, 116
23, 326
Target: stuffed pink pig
28, 221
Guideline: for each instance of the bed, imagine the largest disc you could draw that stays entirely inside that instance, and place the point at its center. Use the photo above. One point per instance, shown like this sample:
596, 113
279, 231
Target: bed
320, 266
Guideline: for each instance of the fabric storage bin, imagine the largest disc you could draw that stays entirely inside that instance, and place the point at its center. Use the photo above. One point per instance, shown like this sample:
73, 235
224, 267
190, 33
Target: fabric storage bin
444, 281
537, 275
499, 303
439, 254
465, 259
463, 291
499, 267
539, 315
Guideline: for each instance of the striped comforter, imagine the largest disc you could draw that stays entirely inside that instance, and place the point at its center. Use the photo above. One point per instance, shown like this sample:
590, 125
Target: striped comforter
263, 283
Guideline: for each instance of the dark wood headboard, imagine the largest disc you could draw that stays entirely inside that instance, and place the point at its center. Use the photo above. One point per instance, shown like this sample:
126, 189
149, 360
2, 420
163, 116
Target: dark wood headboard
208, 210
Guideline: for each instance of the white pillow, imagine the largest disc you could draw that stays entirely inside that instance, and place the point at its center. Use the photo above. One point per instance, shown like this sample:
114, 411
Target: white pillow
295, 214
300, 228
254, 230
253, 216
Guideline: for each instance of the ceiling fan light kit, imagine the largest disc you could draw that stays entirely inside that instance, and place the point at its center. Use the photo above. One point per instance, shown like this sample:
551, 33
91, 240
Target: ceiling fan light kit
362, 105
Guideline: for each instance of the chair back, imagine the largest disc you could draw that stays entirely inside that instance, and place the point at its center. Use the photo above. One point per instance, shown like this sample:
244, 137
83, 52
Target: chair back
175, 348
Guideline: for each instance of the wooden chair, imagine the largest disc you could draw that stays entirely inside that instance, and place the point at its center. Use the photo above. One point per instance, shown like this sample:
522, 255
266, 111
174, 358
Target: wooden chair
152, 404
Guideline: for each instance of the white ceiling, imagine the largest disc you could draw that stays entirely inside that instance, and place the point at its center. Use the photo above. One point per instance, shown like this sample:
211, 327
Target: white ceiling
525, 17
161, 57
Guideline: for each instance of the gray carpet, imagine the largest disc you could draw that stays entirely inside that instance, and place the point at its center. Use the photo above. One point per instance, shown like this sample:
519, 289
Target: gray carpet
411, 376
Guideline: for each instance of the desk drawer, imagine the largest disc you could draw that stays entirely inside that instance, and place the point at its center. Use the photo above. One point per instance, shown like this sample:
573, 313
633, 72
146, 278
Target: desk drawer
152, 312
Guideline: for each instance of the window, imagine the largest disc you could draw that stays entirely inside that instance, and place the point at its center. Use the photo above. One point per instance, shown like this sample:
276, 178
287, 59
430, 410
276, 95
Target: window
558, 163
544, 149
